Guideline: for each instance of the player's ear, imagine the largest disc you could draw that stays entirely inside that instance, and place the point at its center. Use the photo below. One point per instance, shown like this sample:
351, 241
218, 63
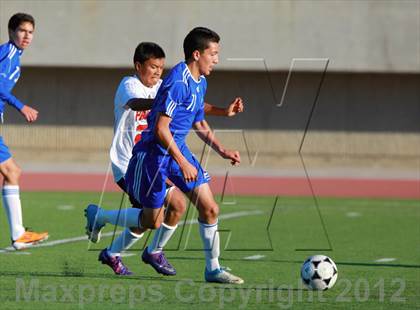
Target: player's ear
137, 66
196, 55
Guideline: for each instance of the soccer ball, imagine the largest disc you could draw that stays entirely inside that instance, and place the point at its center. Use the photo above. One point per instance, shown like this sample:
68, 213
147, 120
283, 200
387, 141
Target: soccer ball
319, 272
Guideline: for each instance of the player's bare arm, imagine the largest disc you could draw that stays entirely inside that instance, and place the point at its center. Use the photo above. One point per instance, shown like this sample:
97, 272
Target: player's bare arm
235, 107
205, 133
29, 113
140, 104
166, 139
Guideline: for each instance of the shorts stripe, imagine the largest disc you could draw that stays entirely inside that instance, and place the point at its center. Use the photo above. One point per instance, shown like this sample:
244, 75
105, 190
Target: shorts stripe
137, 176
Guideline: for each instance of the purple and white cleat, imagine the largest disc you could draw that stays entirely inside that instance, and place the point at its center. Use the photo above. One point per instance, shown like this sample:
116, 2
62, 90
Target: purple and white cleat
114, 262
159, 262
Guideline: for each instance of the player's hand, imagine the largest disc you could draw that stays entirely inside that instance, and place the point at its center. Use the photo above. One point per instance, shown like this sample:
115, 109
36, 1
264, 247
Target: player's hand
235, 107
235, 158
188, 171
29, 113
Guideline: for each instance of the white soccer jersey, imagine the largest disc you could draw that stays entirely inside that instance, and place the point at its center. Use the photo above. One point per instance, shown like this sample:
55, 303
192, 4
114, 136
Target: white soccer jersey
128, 124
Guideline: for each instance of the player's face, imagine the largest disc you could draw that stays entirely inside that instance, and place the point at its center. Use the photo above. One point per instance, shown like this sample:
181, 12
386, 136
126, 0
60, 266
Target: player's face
22, 36
150, 71
209, 58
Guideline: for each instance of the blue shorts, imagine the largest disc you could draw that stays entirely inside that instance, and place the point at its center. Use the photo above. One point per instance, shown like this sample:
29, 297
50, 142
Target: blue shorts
4, 151
148, 170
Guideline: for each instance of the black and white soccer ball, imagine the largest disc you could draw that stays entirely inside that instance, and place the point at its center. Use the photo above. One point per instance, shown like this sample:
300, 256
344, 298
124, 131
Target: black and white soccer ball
319, 272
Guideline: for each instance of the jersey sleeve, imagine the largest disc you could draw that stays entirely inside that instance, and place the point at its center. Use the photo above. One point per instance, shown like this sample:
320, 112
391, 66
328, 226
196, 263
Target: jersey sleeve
172, 98
6, 96
129, 89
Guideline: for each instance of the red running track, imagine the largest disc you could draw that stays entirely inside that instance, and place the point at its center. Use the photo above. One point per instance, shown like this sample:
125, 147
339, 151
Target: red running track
241, 185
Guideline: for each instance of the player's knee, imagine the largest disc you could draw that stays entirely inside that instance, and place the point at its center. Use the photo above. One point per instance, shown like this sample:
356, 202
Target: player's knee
13, 174
177, 204
211, 212
18, 172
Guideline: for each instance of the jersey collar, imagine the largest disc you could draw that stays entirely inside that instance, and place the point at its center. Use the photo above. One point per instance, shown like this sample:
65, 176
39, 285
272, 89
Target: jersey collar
20, 51
189, 73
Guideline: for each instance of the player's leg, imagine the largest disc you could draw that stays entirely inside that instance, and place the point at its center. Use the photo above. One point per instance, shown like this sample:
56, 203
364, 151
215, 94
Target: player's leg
139, 219
146, 218
175, 208
11, 202
153, 254
130, 235
97, 218
208, 211
111, 255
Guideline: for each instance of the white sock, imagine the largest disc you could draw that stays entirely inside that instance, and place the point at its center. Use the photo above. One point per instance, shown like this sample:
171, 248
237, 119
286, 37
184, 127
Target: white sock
211, 243
11, 203
124, 241
161, 238
125, 217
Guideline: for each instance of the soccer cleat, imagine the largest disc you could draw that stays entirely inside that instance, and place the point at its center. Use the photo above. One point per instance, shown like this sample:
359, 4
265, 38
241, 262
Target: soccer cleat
221, 276
159, 262
93, 229
28, 239
114, 262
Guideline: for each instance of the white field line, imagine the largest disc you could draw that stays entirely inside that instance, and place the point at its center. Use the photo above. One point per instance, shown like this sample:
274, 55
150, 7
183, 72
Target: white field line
353, 214
108, 234
385, 260
254, 257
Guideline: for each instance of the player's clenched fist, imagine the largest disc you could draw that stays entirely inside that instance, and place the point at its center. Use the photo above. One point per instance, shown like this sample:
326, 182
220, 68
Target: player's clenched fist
236, 106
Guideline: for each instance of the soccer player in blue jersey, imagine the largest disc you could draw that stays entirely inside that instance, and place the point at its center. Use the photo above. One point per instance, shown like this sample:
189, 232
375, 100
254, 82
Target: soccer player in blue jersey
163, 154
21, 29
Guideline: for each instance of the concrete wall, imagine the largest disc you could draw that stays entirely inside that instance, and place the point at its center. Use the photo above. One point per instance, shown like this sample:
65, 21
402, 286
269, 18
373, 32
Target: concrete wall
358, 35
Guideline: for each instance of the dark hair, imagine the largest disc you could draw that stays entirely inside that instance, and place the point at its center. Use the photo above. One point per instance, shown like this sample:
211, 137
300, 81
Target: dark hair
146, 50
19, 18
199, 39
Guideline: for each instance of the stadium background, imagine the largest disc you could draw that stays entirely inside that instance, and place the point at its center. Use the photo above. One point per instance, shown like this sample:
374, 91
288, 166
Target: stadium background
364, 124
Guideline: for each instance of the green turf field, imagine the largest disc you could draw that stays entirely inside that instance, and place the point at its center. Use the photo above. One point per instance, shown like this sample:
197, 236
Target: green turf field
359, 231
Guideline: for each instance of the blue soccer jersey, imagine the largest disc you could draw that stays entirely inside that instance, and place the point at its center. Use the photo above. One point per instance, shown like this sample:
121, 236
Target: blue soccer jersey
9, 74
180, 97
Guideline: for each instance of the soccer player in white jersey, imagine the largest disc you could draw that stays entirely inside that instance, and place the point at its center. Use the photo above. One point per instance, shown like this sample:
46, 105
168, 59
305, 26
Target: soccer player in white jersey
21, 30
133, 101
